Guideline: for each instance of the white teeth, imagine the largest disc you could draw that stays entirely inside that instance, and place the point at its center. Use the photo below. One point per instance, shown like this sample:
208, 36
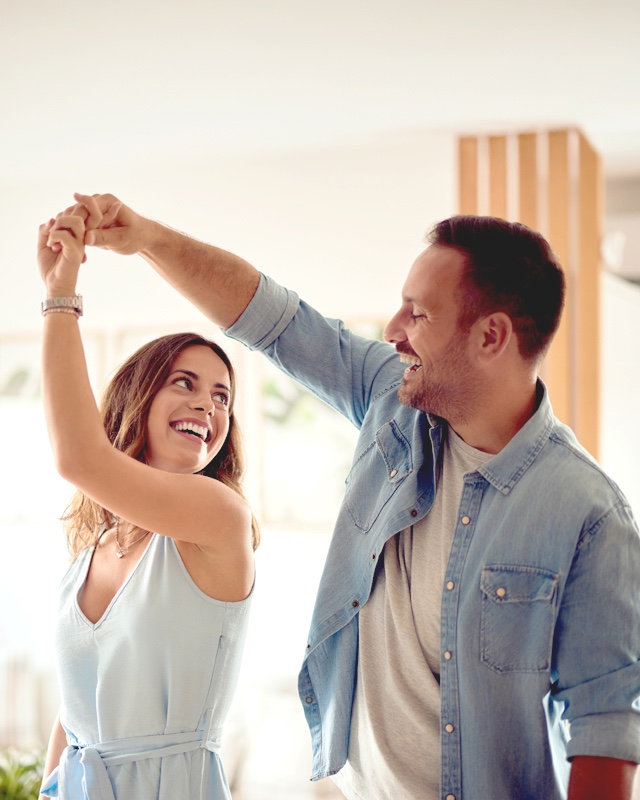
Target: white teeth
406, 359
199, 430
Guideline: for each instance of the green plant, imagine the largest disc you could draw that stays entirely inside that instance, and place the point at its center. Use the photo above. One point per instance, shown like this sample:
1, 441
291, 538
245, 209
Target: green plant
20, 775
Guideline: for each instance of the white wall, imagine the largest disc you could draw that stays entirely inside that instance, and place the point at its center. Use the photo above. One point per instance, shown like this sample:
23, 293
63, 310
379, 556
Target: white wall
620, 385
340, 224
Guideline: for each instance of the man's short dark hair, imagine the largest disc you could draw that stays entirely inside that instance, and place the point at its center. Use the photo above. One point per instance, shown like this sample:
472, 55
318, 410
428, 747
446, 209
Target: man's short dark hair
509, 268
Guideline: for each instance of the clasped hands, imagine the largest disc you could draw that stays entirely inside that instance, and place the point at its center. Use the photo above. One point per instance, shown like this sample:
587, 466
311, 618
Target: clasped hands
99, 220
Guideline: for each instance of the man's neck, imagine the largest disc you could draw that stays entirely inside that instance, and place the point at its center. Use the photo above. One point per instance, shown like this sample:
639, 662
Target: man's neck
495, 422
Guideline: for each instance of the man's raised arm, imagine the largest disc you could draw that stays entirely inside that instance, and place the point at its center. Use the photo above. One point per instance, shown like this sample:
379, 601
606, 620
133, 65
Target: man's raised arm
217, 282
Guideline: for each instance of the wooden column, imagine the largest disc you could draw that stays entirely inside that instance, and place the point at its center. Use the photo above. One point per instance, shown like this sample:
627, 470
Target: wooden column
551, 181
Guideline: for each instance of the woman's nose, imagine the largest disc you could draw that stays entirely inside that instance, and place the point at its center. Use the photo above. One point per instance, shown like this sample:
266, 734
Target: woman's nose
203, 402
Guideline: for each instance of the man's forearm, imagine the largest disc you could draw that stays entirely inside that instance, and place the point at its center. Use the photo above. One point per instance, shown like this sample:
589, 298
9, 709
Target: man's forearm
217, 282
597, 778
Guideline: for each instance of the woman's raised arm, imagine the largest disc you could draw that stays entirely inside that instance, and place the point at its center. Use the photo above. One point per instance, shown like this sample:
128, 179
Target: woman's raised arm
184, 506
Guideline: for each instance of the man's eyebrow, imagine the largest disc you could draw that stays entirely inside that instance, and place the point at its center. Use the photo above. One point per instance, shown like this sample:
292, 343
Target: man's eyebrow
196, 377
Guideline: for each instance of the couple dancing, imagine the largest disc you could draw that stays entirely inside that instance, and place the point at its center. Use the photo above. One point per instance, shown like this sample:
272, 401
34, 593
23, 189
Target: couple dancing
477, 628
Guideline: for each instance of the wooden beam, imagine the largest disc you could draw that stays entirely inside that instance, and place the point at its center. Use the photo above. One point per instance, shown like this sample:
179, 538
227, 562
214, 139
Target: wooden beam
557, 366
498, 176
468, 174
554, 185
587, 293
528, 179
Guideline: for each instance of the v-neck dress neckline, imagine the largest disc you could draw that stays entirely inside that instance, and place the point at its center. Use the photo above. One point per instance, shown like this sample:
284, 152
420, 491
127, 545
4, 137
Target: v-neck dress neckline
85, 574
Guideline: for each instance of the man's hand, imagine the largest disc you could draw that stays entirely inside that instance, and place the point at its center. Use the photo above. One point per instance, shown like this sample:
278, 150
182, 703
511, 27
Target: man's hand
111, 225
599, 778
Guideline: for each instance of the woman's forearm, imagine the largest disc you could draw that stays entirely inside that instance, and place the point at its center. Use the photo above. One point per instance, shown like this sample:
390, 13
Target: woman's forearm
73, 420
57, 743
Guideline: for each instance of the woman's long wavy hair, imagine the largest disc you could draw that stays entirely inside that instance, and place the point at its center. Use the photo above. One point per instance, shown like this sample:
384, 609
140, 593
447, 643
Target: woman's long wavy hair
125, 411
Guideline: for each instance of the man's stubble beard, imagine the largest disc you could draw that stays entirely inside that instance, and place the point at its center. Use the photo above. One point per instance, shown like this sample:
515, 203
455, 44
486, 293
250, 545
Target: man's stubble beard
454, 399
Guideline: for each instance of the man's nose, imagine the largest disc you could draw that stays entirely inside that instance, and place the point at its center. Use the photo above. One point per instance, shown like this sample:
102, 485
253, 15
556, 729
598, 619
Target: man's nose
394, 331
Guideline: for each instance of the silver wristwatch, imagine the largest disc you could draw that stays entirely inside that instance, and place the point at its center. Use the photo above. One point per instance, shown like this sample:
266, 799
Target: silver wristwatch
74, 302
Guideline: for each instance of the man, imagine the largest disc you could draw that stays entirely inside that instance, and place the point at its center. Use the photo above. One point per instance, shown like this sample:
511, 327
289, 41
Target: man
476, 632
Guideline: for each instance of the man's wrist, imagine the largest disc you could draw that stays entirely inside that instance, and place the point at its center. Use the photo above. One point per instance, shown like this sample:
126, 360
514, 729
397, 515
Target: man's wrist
156, 237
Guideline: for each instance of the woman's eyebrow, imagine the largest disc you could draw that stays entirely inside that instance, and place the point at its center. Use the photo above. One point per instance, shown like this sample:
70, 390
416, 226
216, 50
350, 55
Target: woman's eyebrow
193, 375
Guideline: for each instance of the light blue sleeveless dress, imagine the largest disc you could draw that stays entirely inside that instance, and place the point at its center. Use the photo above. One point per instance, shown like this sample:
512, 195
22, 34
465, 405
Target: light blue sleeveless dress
145, 690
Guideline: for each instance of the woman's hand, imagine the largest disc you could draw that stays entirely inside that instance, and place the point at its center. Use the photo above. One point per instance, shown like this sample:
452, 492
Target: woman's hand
61, 242
61, 251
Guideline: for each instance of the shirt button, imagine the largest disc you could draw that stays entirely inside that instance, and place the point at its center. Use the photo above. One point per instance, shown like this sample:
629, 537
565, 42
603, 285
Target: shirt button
447, 655
393, 473
450, 585
308, 700
449, 728
501, 592
466, 520
355, 604
413, 512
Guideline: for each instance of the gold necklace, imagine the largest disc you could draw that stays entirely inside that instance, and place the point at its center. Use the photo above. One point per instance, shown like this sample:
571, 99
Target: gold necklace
120, 550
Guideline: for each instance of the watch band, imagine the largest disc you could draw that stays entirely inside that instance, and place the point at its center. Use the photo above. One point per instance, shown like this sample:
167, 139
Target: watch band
74, 303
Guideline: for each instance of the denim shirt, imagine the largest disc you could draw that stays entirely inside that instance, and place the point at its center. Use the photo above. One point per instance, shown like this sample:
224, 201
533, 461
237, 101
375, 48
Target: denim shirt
540, 625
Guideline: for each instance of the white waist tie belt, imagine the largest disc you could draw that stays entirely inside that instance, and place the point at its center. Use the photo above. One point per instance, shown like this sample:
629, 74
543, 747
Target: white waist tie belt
82, 771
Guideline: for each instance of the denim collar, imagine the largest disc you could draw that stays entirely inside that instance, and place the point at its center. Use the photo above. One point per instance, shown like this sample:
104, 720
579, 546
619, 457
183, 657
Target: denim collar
506, 468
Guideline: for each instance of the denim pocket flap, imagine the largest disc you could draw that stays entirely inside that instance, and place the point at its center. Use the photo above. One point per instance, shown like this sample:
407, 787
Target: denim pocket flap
376, 475
518, 617
515, 584
395, 450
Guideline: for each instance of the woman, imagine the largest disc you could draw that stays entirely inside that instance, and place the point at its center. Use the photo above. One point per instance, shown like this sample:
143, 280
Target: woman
154, 607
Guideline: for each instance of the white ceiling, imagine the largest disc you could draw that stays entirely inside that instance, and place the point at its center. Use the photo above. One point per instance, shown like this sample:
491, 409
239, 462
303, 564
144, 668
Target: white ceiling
138, 80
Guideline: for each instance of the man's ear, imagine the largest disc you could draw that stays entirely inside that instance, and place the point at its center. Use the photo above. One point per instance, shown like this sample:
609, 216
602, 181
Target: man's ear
495, 332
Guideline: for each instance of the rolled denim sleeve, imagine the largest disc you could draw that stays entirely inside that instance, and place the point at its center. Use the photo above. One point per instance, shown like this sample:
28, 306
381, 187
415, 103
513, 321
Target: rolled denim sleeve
597, 664
270, 311
343, 369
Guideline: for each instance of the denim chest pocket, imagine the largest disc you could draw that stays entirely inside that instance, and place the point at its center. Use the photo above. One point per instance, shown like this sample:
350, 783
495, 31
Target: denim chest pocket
518, 618
376, 474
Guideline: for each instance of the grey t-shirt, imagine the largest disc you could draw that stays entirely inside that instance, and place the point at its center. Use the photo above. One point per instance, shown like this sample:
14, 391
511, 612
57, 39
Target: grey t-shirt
394, 745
